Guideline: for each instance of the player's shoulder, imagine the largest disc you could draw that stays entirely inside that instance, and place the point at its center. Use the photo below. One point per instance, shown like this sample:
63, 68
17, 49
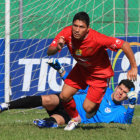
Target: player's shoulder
67, 31
93, 31
94, 34
68, 28
109, 91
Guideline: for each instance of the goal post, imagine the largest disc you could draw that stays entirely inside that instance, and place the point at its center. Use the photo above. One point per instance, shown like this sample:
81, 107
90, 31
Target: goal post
7, 50
29, 27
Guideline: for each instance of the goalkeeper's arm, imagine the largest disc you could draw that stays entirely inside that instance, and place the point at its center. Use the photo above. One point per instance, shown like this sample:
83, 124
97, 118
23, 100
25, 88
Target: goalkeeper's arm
54, 63
132, 97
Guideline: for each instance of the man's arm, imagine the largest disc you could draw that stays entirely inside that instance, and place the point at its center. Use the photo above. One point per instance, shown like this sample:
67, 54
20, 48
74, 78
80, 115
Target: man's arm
60, 44
132, 73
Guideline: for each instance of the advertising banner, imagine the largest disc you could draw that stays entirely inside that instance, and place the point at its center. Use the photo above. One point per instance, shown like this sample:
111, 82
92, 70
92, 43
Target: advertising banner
31, 75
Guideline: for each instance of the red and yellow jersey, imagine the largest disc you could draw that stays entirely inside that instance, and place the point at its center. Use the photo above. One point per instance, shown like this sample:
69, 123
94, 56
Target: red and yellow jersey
91, 53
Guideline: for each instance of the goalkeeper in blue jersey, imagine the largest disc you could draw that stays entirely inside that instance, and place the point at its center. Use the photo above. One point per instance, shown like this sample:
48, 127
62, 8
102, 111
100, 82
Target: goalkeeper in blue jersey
110, 110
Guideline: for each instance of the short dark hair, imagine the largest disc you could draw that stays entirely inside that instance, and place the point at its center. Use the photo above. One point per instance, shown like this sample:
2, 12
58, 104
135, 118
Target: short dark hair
128, 83
83, 16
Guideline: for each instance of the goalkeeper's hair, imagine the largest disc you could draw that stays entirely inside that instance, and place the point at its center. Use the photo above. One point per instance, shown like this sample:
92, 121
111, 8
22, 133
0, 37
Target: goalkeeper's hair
128, 83
83, 16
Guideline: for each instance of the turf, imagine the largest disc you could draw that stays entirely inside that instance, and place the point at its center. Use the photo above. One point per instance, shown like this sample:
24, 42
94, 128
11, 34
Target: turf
17, 125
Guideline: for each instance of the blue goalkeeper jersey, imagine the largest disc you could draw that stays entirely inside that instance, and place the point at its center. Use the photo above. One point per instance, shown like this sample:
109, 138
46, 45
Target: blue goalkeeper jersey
108, 111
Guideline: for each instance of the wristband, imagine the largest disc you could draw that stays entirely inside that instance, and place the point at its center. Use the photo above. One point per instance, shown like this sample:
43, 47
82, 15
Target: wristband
65, 76
131, 106
61, 70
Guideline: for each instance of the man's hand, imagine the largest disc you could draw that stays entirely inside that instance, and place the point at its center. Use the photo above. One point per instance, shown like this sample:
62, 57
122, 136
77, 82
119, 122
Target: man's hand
132, 74
60, 43
56, 65
132, 97
53, 50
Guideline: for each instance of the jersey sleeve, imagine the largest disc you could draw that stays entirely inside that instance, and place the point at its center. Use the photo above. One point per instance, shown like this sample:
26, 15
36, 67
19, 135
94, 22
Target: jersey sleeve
111, 43
65, 76
124, 117
64, 33
129, 115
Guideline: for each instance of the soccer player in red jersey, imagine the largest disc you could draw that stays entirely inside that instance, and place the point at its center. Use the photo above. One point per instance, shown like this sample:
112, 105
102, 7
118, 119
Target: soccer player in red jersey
93, 68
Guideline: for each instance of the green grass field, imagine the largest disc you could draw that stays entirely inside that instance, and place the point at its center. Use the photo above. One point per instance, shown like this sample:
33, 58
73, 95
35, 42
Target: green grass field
17, 125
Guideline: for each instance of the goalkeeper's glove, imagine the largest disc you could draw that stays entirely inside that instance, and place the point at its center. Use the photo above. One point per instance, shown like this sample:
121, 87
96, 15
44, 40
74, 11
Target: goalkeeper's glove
132, 97
53, 62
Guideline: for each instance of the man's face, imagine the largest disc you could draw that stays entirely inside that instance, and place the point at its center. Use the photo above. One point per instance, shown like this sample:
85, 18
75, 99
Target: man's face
120, 93
79, 29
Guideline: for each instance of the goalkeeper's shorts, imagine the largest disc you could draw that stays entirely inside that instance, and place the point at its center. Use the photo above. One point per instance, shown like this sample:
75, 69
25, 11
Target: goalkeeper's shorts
60, 111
